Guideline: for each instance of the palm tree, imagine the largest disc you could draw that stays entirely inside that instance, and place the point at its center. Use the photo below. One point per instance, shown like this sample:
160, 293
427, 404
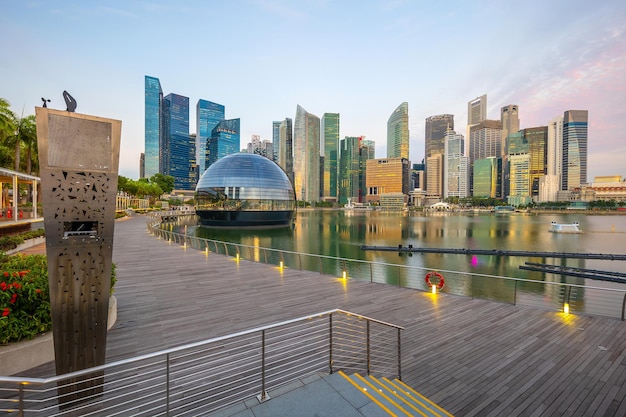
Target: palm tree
27, 128
7, 128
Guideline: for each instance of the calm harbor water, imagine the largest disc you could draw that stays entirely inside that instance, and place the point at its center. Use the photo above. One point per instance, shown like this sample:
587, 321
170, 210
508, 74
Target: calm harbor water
340, 234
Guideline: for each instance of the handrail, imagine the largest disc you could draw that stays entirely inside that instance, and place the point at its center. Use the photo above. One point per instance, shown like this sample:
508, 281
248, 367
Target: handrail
518, 295
209, 374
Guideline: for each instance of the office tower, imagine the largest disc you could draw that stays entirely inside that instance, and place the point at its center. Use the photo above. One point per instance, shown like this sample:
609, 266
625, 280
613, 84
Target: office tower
275, 139
178, 153
330, 152
434, 177
224, 140
398, 132
349, 169
306, 156
456, 175
386, 176
142, 165
153, 101
574, 149
485, 141
285, 148
366, 151
436, 128
519, 184
537, 138
485, 173
208, 115
555, 147
477, 110
509, 117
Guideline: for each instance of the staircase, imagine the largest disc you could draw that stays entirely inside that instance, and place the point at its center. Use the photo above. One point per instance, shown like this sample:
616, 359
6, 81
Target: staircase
393, 396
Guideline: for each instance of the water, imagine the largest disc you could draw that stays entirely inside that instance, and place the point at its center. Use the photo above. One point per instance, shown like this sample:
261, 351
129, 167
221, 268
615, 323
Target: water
341, 234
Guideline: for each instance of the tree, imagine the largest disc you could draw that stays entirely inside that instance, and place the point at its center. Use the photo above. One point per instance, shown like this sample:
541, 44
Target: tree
165, 182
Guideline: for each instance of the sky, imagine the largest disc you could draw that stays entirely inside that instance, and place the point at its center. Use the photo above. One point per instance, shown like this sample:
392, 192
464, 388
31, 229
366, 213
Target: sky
262, 58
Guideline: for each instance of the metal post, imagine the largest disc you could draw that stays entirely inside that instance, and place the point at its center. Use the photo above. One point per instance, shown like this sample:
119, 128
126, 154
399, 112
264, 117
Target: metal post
320, 259
368, 348
21, 410
330, 342
515, 294
399, 356
263, 395
167, 384
371, 273
623, 305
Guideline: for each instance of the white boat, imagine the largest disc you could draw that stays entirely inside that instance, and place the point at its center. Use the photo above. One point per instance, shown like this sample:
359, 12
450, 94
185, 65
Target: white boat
565, 227
357, 206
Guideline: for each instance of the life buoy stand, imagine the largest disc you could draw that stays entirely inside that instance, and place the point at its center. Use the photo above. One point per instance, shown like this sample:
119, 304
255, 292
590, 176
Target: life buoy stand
439, 284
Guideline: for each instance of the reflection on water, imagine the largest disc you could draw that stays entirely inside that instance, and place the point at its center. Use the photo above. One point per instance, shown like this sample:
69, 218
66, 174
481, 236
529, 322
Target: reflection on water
341, 234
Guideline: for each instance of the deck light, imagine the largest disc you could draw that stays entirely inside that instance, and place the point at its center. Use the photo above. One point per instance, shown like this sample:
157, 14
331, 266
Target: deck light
237, 257
281, 265
433, 289
344, 275
566, 308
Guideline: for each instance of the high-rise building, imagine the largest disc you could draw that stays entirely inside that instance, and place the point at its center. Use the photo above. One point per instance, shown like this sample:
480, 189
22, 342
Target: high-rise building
178, 151
367, 150
509, 117
306, 156
275, 139
574, 149
486, 174
555, 147
349, 169
285, 148
386, 176
330, 152
142, 165
434, 178
436, 128
477, 110
225, 140
398, 132
456, 175
208, 115
485, 141
153, 102
537, 138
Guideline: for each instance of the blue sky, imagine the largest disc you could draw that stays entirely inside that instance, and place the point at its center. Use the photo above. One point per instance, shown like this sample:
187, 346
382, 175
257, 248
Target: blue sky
261, 58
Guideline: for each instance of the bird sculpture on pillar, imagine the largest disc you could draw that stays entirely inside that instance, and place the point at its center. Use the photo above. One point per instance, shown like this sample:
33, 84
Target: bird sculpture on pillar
45, 101
70, 102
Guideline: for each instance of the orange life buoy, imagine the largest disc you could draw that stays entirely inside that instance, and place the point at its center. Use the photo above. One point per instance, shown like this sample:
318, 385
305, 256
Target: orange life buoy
441, 282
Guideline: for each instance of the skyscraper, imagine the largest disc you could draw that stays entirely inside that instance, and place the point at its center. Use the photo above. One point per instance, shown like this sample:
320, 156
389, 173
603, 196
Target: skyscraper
574, 149
485, 141
178, 153
275, 139
436, 128
509, 117
477, 110
224, 140
153, 99
285, 148
398, 132
456, 175
306, 156
208, 115
349, 169
330, 152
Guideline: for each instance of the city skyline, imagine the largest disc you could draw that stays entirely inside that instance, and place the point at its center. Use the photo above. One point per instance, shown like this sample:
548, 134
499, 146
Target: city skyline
561, 56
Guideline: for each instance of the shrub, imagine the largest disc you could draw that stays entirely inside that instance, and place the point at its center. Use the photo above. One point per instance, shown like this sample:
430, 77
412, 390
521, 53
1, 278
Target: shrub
25, 297
11, 242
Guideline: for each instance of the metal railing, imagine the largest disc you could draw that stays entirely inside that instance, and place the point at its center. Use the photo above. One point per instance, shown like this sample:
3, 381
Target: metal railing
202, 377
552, 295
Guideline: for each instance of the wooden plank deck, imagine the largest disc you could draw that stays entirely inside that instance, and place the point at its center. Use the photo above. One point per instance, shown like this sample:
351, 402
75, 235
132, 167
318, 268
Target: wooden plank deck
472, 357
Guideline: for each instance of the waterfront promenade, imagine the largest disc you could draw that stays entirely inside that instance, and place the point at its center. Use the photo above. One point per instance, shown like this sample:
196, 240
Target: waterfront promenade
472, 357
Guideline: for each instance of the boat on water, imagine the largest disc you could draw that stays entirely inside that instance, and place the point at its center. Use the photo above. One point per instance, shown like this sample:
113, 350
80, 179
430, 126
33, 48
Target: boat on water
565, 227
504, 209
357, 206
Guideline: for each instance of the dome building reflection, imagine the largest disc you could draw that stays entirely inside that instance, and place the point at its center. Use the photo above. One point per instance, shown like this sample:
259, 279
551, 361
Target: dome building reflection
245, 190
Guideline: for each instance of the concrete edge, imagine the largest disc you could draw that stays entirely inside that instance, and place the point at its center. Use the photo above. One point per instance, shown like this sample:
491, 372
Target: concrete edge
27, 354
27, 244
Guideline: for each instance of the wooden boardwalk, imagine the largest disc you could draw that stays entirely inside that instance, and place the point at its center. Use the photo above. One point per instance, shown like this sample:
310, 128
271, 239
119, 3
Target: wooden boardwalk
472, 357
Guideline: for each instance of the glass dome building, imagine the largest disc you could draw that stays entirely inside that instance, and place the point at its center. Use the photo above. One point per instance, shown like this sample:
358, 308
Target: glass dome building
245, 190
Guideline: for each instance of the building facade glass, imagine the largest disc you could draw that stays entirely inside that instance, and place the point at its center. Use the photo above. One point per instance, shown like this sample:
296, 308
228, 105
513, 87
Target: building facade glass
455, 169
153, 99
225, 140
330, 152
349, 170
574, 149
208, 115
178, 151
486, 178
306, 156
398, 132
245, 190
285, 147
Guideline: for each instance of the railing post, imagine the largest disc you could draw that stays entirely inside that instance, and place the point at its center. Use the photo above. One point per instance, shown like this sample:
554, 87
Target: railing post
368, 348
371, 273
167, 384
330, 342
321, 270
623, 305
515, 294
300, 261
399, 355
263, 395
21, 406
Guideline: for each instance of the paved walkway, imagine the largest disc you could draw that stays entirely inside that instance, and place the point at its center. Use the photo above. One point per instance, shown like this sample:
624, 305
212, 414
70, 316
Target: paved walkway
473, 357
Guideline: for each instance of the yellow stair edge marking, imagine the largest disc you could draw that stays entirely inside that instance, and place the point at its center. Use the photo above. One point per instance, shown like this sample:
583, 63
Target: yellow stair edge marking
400, 398
367, 394
385, 396
406, 387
